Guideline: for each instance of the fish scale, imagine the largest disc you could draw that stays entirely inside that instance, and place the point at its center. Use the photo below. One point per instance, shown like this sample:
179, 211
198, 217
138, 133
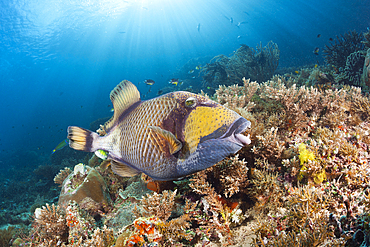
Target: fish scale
149, 113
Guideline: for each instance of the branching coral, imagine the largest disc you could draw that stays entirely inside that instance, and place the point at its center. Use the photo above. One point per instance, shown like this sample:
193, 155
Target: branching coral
236, 96
69, 226
62, 175
153, 222
50, 225
217, 214
265, 190
233, 174
160, 205
301, 224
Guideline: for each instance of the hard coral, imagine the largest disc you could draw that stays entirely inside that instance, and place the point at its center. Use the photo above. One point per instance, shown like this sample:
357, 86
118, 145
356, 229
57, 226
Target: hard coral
82, 183
153, 222
50, 225
233, 174
62, 175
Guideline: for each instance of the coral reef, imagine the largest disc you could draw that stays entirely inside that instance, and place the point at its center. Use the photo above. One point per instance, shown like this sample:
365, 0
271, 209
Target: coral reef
366, 42
303, 180
354, 67
347, 56
258, 64
50, 225
86, 187
336, 53
62, 175
366, 69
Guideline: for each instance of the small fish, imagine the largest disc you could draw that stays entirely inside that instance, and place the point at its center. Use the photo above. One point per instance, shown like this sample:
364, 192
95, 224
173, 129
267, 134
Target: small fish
198, 27
316, 51
174, 81
149, 82
191, 71
168, 137
297, 72
61, 145
101, 154
230, 19
316, 65
319, 35
331, 39
198, 67
240, 23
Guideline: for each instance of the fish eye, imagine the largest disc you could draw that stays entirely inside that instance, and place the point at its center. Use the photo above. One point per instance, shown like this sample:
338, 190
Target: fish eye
190, 102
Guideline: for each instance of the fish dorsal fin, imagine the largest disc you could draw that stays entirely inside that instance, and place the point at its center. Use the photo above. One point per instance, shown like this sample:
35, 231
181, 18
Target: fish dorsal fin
173, 143
123, 170
122, 96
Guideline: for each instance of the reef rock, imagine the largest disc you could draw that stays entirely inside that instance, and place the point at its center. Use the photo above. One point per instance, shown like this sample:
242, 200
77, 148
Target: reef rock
366, 70
87, 187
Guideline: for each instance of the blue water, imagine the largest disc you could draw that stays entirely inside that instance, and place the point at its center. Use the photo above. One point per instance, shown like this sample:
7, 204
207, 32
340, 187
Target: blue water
60, 59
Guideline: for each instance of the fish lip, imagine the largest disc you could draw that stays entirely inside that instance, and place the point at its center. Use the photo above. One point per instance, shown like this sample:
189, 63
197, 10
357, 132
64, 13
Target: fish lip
234, 133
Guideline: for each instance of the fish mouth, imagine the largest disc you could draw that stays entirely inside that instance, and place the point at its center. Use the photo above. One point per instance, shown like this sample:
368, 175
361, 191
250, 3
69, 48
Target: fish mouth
234, 132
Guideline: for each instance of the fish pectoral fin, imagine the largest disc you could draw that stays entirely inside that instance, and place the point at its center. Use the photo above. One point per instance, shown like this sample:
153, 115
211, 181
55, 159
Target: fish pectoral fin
173, 143
123, 170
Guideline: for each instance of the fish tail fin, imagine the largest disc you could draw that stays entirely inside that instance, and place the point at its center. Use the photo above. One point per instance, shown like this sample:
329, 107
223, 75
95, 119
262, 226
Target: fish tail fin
82, 139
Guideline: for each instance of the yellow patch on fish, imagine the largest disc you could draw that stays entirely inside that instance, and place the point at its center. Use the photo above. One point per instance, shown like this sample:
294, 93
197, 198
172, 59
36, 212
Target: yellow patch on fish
203, 121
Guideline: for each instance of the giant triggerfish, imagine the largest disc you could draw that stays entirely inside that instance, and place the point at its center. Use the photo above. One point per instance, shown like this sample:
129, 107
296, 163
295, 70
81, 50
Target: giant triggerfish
167, 137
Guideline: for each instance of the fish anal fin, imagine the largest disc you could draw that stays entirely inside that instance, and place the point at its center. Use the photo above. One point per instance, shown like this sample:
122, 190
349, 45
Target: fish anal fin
123, 170
122, 96
173, 143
